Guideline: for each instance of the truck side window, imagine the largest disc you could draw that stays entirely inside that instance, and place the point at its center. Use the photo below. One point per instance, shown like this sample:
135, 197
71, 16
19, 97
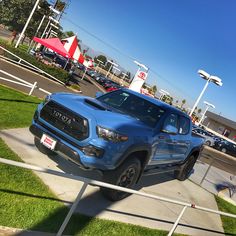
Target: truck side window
171, 120
184, 125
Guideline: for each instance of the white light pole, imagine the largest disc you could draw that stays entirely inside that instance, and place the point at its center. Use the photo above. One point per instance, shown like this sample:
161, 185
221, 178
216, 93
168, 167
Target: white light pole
52, 32
27, 22
124, 75
112, 64
99, 62
54, 10
40, 24
49, 22
208, 105
209, 78
116, 69
141, 65
163, 93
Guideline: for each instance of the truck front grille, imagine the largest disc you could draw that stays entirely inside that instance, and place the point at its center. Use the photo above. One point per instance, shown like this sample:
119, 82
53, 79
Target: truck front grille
65, 120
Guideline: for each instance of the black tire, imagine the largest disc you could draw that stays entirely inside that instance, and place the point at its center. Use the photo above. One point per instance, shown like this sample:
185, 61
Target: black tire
208, 143
126, 175
224, 150
42, 148
185, 170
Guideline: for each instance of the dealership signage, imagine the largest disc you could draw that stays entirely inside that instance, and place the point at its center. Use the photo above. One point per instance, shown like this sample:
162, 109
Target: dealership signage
138, 80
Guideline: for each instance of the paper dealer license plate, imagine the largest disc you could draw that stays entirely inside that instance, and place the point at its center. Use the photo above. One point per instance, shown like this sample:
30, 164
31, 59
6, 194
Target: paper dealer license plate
48, 142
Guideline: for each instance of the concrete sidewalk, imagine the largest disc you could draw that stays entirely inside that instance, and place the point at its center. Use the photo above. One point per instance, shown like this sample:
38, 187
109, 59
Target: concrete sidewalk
134, 209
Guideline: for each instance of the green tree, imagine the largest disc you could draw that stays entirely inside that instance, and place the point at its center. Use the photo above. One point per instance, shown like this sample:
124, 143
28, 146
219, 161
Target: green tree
60, 5
154, 89
69, 33
14, 14
100, 58
183, 102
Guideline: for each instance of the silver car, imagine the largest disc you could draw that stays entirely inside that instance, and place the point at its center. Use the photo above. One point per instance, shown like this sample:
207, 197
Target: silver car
209, 140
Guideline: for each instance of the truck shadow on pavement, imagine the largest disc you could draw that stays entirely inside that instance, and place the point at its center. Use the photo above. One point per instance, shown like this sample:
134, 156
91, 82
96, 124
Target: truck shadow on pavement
93, 204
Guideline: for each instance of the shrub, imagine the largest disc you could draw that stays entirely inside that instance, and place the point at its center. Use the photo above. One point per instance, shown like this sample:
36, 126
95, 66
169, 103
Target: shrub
58, 73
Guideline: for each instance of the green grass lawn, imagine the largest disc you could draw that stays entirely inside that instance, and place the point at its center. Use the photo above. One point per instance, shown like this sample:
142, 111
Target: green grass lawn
28, 204
229, 224
25, 201
16, 108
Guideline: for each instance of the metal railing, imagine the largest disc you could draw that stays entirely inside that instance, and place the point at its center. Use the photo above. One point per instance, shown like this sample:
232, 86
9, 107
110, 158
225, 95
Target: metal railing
28, 65
218, 162
87, 182
22, 82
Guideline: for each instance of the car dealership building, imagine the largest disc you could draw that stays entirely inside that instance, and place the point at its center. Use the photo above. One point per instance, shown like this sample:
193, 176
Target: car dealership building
220, 125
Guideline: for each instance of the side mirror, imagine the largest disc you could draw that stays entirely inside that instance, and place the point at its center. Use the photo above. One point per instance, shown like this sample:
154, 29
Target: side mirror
98, 94
169, 129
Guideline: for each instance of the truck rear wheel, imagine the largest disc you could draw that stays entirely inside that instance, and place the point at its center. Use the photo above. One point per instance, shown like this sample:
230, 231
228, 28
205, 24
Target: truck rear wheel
185, 170
126, 175
42, 148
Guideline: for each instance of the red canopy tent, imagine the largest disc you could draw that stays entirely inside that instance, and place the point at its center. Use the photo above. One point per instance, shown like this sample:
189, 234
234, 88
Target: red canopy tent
54, 44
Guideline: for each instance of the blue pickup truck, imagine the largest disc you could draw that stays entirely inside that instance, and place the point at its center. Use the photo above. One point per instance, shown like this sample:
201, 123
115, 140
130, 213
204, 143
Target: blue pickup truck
123, 134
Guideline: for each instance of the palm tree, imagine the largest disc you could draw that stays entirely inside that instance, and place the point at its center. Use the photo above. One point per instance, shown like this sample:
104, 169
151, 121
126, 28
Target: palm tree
154, 89
183, 102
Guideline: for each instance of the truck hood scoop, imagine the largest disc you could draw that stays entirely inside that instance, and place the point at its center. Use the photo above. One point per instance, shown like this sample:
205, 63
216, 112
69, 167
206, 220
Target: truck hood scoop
95, 103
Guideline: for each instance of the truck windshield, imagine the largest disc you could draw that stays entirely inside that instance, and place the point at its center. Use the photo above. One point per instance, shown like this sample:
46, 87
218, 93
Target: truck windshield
134, 106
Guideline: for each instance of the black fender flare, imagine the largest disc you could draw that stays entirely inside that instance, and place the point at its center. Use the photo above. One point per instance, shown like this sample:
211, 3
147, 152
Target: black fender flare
136, 148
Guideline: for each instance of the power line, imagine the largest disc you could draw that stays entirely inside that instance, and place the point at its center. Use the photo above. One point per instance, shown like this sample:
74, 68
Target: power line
125, 54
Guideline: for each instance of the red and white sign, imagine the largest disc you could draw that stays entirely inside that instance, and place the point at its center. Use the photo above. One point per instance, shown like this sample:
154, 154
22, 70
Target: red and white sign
138, 80
48, 142
71, 46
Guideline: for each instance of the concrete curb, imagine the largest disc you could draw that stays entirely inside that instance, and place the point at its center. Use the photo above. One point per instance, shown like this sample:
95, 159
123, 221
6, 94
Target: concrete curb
224, 196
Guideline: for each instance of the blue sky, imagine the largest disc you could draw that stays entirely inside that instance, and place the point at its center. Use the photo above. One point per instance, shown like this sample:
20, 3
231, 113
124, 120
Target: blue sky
174, 38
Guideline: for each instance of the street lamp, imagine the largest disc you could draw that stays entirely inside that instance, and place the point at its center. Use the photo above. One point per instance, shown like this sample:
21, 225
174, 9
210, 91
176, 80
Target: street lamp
116, 69
123, 78
112, 63
141, 65
52, 32
163, 93
99, 62
208, 105
54, 10
209, 78
49, 22
27, 22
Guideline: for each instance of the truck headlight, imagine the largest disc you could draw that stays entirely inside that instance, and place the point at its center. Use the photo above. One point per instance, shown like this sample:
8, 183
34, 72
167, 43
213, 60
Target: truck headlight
111, 135
47, 99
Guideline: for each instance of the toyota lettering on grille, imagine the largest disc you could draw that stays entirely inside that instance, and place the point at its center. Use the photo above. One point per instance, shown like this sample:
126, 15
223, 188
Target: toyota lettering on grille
62, 117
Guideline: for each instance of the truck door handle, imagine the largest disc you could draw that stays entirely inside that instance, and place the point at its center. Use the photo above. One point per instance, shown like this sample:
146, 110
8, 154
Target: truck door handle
161, 137
174, 141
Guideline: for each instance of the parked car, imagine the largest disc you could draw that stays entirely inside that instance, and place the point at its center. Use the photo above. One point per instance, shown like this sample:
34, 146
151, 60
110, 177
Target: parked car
91, 72
209, 140
226, 147
123, 134
102, 80
112, 88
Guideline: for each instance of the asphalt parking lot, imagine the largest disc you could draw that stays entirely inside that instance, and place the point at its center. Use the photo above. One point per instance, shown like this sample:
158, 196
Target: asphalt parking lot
134, 209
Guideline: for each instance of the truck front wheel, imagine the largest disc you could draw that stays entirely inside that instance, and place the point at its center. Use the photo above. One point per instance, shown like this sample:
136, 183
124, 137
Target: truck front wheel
126, 175
185, 169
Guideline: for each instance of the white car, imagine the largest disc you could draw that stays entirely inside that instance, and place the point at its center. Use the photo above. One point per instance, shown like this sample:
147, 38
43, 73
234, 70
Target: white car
209, 140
